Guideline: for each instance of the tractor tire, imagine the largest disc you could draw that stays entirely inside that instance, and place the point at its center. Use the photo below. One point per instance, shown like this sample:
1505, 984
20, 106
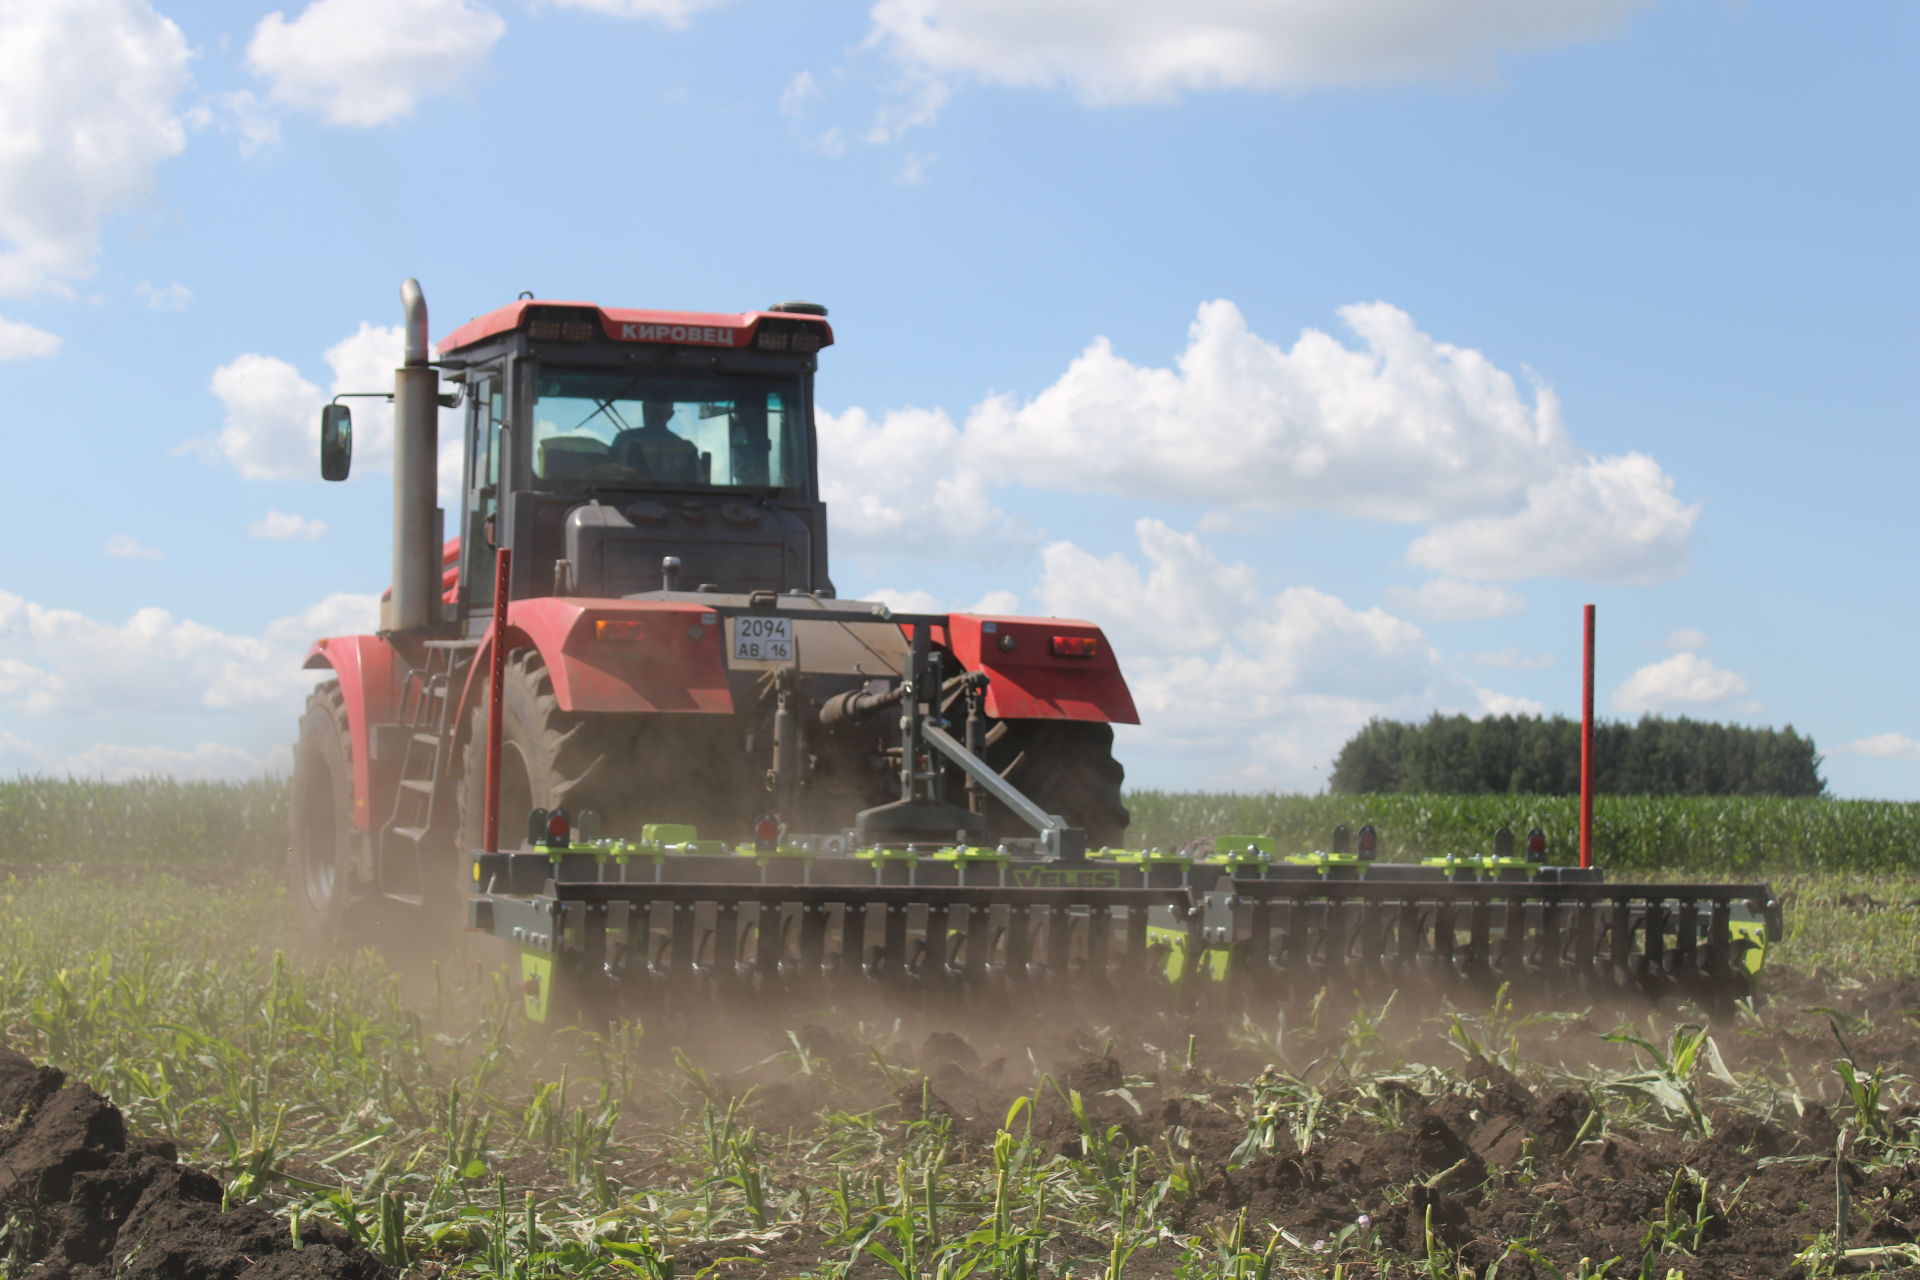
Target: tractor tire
549, 759
323, 847
1065, 767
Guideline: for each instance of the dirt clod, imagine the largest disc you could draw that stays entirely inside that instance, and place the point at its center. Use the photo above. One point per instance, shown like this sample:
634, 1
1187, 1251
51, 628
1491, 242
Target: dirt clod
99, 1204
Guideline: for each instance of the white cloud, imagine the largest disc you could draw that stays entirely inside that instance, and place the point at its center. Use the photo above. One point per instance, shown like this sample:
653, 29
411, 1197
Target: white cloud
284, 526
242, 113
21, 341
1686, 682
1607, 519
1885, 746
1249, 688
58, 661
1511, 659
271, 429
800, 90
1686, 638
128, 547
1399, 427
1451, 600
368, 62
897, 483
172, 297
1148, 50
673, 13
916, 601
87, 94
1402, 428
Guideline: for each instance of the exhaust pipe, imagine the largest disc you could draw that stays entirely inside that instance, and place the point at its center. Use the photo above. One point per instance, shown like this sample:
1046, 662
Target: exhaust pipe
416, 459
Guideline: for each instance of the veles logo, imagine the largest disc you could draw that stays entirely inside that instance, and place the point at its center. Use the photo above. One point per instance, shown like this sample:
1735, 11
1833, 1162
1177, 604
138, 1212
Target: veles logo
1058, 878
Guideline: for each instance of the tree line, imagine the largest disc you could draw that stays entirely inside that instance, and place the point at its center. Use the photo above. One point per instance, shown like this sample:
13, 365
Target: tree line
1539, 756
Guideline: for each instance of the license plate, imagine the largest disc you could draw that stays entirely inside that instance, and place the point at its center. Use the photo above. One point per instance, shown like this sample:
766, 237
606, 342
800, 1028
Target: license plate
763, 639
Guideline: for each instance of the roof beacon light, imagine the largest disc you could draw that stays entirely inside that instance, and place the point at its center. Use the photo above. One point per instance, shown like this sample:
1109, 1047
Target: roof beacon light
1075, 646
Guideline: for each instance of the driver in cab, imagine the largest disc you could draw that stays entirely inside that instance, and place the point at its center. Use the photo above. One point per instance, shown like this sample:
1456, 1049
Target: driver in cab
655, 451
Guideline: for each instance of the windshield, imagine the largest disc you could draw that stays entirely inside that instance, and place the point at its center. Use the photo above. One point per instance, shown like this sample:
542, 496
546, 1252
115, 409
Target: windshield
675, 429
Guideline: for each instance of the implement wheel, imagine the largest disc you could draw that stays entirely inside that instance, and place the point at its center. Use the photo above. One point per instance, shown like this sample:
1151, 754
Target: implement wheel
321, 861
1065, 767
549, 759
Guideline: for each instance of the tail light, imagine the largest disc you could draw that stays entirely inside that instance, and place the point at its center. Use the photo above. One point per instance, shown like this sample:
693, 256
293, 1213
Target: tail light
559, 829
616, 629
1369, 841
766, 834
1075, 646
1536, 845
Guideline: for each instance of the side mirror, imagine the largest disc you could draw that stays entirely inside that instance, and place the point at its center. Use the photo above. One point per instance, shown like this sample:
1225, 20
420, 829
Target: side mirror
336, 442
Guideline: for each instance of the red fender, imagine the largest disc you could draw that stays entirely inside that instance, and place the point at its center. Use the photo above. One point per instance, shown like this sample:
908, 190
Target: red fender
655, 657
1027, 680
368, 670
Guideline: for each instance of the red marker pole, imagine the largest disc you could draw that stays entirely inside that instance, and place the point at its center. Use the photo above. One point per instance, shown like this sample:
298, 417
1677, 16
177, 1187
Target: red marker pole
496, 683
1586, 751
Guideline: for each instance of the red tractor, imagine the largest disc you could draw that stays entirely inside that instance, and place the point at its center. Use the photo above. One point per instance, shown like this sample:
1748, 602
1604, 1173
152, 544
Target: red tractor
674, 650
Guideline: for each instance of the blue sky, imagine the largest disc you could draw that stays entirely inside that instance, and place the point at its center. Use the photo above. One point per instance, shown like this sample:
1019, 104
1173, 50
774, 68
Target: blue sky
1331, 355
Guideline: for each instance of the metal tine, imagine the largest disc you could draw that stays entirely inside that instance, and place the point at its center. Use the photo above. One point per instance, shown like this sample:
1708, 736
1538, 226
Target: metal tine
1133, 963
1480, 938
1513, 949
1257, 974
813, 941
1412, 935
770, 942
1019, 943
680, 947
1620, 929
893, 943
1548, 960
853, 940
1059, 943
934, 956
726, 944
1299, 949
1581, 944
979, 949
1718, 962
593, 938
1655, 939
1335, 940
1444, 940
1685, 961
1099, 942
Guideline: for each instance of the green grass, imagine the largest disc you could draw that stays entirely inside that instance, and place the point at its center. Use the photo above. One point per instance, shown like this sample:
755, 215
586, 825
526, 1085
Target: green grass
1637, 833
202, 829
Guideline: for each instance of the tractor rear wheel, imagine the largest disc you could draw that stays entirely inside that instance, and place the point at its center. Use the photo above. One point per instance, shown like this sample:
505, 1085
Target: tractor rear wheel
322, 844
549, 759
1065, 767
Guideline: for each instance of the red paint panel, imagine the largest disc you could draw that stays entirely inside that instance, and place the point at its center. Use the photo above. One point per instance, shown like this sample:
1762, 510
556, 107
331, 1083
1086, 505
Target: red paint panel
368, 670
624, 324
675, 662
1028, 682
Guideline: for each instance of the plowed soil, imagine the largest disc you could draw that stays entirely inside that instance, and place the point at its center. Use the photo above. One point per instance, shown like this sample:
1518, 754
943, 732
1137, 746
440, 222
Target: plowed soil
85, 1201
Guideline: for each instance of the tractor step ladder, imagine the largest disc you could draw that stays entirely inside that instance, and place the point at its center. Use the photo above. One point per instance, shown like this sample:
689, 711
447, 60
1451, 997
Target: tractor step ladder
421, 807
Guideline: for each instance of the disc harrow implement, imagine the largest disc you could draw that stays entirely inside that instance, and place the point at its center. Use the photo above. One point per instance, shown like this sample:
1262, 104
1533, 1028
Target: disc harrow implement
659, 927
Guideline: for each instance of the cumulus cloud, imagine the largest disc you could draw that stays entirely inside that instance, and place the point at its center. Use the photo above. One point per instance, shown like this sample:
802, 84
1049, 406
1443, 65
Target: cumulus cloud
1110, 51
1451, 600
1511, 659
59, 661
284, 526
1686, 638
20, 341
270, 429
673, 13
128, 547
243, 114
172, 297
1608, 519
87, 113
898, 482
1250, 688
368, 62
1684, 683
1884, 746
1397, 426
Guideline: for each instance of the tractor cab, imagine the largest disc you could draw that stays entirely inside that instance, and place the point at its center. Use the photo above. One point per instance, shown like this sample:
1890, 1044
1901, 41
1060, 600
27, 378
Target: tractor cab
621, 453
